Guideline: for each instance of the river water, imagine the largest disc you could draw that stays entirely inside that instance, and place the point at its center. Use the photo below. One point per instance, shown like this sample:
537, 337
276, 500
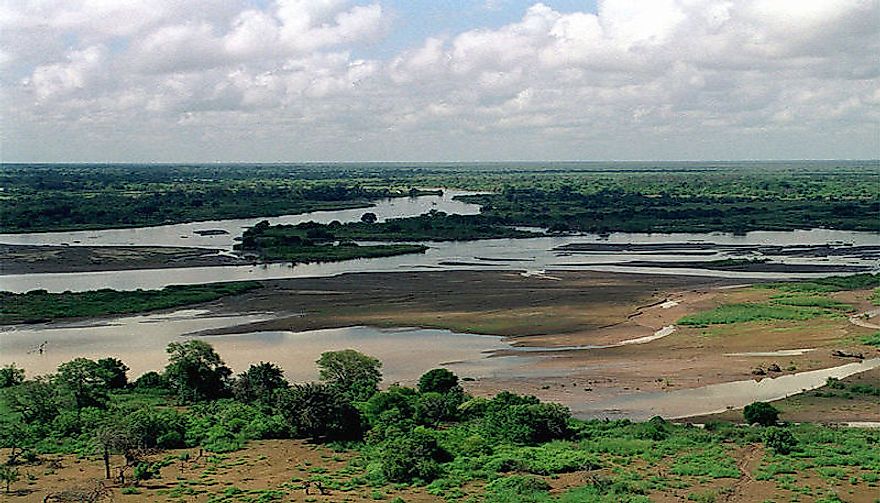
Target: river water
140, 340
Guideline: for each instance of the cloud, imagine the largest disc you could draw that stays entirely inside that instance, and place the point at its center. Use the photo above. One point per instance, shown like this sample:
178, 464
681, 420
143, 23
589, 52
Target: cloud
633, 79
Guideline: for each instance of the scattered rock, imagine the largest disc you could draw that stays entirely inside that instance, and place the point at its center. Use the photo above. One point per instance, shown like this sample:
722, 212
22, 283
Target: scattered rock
759, 372
773, 368
843, 354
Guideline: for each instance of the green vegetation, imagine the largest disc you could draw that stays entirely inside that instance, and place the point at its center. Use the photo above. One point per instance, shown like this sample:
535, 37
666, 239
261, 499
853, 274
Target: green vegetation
871, 340
39, 305
827, 285
793, 301
741, 313
596, 197
313, 242
761, 413
505, 448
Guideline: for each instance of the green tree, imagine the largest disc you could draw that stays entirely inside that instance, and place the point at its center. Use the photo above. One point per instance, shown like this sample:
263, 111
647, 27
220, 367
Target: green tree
369, 218
10, 375
415, 455
115, 371
319, 411
761, 413
438, 381
8, 475
85, 380
355, 375
780, 440
195, 372
37, 401
259, 383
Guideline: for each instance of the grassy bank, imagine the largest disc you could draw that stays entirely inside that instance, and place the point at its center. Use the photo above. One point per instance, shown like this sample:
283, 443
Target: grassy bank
39, 305
788, 301
304, 254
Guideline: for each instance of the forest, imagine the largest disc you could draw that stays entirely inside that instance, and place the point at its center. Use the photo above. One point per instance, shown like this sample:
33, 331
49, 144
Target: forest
594, 197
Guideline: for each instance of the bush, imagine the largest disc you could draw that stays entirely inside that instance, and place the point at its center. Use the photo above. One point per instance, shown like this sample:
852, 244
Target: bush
438, 381
151, 381
761, 413
319, 412
780, 440
10, 375
527, 424
519, 488
412, 456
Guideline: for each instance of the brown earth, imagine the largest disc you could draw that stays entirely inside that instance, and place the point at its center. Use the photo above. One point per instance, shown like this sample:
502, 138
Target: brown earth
280, 467
572, 309
27, 259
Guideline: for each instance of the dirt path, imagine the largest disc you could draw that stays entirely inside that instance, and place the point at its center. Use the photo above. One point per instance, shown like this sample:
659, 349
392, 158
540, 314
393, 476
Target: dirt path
748, 464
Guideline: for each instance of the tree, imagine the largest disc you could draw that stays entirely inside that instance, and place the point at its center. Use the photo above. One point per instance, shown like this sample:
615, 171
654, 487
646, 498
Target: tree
355, 375
761, 413
85, 380
115, 372
413, 455
8, 475
525, 420
10, 375
369, 218
319, 411
195, 371
438, 381
37, 401
259, 383
112, 438
780, 440
151, 381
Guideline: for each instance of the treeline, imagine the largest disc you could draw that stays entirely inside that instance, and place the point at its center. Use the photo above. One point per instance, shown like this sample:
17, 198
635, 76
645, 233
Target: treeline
39, 305
432, 226
564, 209
90, 406
149, 205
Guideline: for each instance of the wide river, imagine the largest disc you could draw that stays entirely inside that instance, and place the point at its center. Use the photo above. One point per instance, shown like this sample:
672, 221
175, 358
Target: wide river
532, 255
140, 340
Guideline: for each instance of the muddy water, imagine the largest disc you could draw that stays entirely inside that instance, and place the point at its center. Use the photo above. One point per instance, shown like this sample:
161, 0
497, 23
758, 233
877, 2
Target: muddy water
184, 234
716, 397
532, 255
140, 342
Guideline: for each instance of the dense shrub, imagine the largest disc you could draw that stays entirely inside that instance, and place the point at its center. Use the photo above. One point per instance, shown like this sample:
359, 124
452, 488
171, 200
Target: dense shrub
780, 440
319, 412
520, 488
532, 423
438, 381
761, 413
412, 456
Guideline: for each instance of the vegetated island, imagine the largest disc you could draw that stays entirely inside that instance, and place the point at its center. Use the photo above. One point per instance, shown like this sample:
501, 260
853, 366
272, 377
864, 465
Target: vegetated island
314, 242
39, 305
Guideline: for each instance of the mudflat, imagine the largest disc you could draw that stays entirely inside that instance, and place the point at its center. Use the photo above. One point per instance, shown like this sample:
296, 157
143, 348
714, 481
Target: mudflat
33, 259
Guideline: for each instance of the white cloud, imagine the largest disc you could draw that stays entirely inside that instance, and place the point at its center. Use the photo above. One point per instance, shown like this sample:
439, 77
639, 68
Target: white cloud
632, 77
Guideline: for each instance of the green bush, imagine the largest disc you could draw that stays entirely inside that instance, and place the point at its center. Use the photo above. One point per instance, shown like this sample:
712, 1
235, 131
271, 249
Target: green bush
414, 456
780, 440
438, 381
519, 488
761, 413
527, 424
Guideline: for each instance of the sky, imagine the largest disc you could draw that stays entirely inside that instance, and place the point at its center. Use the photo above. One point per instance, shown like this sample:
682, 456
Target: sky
423, 80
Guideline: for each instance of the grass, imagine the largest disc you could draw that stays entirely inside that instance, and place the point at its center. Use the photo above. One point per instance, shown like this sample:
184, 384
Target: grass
871, 340
746, 312
39, 305
810, 301
830, 284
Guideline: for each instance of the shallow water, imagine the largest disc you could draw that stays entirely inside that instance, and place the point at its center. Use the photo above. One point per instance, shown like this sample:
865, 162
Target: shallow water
140, 342
716, 397
531, 255
184, 234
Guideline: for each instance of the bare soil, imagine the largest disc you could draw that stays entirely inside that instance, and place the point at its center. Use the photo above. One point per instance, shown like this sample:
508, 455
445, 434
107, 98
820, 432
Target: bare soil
27, 259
